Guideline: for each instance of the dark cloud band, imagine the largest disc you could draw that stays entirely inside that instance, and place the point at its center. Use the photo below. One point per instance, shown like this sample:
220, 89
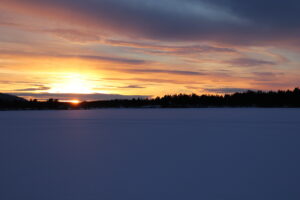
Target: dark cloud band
234, 21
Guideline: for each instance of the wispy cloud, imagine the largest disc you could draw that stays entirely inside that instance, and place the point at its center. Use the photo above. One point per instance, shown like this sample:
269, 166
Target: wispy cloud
250, 62
132, 87
235, 22
162, 71
171, 49
225, 90
115, 59
82, 97
41, 88
74, 35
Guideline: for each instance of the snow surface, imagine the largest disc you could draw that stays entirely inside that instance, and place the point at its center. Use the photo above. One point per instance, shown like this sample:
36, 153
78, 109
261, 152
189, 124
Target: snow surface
150, 154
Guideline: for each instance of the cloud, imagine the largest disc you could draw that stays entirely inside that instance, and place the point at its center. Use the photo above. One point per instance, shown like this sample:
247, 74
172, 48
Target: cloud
225, 90
171, 49
177, 72
155, 80
41, 88
119, 60
290, 84
269, 77
267, 74
132, 87
249, 62
111, 59
81, 97
162, 43
234, 21
70, 34
75, 35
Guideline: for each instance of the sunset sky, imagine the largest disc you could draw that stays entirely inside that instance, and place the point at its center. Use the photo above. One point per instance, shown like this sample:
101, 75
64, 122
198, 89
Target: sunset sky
105, 49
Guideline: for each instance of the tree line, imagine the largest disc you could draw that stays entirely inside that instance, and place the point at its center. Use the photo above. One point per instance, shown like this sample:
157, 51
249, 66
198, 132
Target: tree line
240, 99
288, 98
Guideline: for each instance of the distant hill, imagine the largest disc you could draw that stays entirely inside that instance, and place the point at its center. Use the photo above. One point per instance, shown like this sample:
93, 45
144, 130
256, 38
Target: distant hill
10, 98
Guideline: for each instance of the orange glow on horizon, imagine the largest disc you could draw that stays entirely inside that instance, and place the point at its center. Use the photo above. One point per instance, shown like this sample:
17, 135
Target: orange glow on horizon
74, 101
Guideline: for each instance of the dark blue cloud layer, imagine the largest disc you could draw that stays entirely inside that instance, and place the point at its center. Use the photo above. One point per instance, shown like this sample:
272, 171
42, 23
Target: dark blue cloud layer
232, 21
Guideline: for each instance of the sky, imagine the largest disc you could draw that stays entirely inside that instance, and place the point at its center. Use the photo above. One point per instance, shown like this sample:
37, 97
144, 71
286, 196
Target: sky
106, 49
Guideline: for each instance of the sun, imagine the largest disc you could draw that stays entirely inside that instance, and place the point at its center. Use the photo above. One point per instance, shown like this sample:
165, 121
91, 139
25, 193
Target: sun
74, 101
73, 84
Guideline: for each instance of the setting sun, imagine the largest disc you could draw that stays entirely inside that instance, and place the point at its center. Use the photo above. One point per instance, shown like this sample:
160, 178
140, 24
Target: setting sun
74, 101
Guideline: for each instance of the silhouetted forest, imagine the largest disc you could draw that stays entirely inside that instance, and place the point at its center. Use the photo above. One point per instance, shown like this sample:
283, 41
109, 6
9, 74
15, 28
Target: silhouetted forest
244, 99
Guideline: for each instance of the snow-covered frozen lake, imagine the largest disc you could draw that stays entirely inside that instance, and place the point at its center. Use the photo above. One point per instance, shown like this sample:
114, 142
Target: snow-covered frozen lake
150, 154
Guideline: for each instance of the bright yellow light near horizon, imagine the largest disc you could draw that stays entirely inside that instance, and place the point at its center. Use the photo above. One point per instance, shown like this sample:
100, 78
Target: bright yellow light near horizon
74, 84
74, 101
